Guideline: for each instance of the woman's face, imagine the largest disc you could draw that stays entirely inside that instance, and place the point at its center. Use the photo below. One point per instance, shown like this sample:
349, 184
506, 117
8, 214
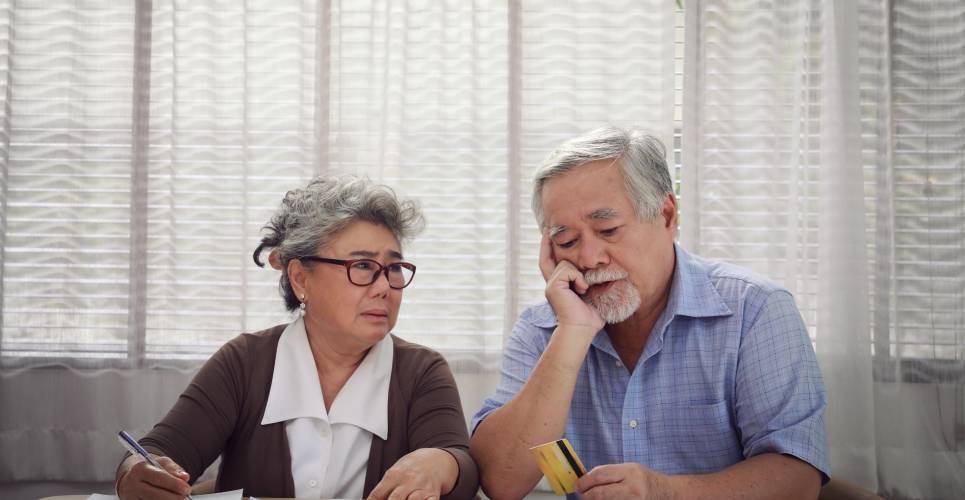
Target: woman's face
350, 317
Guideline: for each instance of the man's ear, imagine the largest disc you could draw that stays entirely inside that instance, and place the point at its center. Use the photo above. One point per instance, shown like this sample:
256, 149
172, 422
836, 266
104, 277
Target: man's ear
668, 211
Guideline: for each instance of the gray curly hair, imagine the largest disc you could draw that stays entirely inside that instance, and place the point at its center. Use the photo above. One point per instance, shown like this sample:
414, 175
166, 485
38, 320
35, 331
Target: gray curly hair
641, 159
310, 217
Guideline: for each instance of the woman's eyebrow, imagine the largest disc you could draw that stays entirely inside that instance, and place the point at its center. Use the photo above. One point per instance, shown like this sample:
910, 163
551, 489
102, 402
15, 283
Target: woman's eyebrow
368, 254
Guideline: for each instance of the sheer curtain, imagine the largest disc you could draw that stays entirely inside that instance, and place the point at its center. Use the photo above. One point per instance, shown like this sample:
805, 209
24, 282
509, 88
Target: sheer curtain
144, 144
822, 146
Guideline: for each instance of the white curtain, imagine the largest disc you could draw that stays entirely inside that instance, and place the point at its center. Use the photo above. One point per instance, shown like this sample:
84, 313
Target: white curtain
824, 145
145, 143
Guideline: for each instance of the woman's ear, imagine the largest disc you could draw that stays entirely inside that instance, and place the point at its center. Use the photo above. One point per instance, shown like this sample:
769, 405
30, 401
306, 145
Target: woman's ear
297, 277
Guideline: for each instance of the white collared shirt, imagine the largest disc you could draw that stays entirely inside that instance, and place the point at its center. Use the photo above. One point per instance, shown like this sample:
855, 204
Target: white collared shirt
329, 450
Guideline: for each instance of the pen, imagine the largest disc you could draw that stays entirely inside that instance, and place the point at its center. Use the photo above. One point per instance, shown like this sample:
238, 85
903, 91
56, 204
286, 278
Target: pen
128, 442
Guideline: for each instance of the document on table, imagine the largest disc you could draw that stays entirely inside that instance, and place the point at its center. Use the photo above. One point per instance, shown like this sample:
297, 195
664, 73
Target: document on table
224, 495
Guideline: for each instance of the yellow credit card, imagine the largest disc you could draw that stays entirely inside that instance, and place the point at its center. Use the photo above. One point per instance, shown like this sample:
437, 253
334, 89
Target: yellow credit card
559, 464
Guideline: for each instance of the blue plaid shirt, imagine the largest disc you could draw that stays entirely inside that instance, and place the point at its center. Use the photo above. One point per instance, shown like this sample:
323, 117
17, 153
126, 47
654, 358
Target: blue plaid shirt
727, 373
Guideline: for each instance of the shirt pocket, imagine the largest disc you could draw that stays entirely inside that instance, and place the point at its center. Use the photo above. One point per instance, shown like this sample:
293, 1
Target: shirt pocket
690, 439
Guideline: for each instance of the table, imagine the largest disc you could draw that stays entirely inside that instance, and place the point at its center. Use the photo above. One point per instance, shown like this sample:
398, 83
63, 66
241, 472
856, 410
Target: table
84, 497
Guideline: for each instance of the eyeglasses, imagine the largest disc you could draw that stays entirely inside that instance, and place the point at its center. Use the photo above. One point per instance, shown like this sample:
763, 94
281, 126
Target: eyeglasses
364, 272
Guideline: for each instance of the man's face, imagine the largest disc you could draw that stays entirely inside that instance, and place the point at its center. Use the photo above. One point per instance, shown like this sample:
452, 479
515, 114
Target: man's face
593, 224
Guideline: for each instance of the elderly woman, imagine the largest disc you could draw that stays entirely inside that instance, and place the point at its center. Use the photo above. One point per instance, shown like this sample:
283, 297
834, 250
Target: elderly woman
329, 405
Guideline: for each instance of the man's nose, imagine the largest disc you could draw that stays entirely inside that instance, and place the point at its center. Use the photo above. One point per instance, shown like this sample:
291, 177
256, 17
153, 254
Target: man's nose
592, 254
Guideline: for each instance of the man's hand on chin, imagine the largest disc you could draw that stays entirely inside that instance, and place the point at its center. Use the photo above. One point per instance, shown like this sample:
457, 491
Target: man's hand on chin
629, 480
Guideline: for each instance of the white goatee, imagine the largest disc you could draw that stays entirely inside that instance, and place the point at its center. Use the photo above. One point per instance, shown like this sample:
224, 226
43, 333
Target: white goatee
617, 303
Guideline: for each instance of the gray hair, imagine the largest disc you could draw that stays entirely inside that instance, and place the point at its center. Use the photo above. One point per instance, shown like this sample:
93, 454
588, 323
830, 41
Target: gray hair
641, 158
310, 218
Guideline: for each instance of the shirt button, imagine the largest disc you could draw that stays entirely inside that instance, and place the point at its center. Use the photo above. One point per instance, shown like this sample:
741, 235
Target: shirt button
323, 432
313, 483
619, 364
633, 424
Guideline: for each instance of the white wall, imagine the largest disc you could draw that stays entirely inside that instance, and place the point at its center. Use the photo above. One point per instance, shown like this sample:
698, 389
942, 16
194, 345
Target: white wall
60, 425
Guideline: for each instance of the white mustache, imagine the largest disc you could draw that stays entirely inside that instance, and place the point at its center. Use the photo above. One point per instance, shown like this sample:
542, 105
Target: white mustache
597, 276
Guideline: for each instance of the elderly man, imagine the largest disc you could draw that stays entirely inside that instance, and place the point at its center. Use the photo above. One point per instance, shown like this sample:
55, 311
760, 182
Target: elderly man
671, 375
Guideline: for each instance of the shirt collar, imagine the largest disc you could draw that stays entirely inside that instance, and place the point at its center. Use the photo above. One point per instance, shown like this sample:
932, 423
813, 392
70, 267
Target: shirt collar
692, 293
296, 393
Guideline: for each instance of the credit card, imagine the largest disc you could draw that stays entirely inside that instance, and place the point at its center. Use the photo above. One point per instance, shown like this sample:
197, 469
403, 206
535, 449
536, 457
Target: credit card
559, 464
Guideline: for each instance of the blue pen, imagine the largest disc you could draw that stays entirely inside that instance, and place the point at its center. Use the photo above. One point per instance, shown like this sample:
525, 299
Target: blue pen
128, 442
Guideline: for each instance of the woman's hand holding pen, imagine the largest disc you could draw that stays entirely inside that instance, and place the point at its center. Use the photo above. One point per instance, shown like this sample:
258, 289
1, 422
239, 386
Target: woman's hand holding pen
142, 480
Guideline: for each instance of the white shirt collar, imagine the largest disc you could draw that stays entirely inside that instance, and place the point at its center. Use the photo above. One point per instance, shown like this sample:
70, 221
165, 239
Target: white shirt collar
295, 391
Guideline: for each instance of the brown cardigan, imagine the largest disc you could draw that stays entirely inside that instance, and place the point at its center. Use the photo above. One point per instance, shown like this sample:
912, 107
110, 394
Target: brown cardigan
221, 410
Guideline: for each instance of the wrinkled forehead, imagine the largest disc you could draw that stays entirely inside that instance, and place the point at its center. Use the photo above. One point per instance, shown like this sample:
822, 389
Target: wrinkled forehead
593, 190
364, 239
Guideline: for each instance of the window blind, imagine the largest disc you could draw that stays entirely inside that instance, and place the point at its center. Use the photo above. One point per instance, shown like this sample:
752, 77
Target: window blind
585, 64
66, 173
752, 179
914, 78
148, 143
749, 192
419, 101
232, 128
229, 129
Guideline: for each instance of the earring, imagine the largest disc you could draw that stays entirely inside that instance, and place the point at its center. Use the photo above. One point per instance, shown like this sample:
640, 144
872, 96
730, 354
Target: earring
301, 307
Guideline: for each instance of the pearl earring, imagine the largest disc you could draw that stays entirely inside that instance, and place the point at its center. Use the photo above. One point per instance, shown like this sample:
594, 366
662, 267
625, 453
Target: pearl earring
301, 307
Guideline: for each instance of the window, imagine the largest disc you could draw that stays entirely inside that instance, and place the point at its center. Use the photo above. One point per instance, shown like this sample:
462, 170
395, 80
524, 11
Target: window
913, 79
144, 148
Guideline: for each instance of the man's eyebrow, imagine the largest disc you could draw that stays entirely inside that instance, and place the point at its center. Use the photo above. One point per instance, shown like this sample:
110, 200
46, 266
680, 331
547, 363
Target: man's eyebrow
603, 214
598, 214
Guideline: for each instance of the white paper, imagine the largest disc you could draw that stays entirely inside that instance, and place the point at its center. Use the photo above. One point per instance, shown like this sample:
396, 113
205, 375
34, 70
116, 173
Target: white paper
224, 495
